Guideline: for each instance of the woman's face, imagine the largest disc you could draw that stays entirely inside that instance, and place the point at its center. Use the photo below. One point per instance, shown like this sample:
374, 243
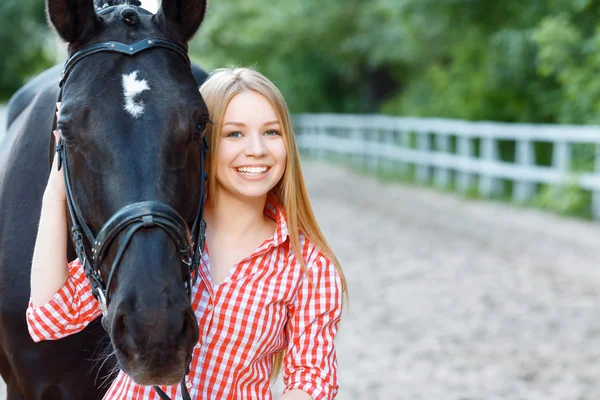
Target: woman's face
251, 153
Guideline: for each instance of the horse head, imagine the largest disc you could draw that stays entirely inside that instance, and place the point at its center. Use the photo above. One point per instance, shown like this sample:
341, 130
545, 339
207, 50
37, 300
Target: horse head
130, 127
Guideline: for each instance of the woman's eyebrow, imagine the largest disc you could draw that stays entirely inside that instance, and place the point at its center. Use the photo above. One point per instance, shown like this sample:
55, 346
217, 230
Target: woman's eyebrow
271, 123
236, 123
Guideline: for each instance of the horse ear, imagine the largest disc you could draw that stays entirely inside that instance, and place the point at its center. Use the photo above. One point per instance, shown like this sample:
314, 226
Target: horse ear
182, 16
74, 20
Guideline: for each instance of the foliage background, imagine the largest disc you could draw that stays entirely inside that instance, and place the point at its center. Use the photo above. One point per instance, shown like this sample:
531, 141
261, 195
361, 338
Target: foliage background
471, 59
26, 43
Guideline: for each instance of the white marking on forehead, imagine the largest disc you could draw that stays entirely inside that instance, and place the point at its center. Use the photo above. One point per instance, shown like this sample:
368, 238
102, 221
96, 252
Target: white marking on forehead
132, 87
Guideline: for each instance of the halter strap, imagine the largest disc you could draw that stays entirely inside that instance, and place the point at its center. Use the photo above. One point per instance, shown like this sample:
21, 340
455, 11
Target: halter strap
121, 48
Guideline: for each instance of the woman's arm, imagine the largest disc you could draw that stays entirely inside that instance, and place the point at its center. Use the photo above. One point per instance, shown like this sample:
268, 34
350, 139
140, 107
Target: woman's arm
61, 301
310, 362
296, 394
49, 270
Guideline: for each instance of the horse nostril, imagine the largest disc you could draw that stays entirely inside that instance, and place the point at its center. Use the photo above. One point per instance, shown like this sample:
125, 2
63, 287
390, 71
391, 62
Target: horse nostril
125, 342
122, 322
120, 325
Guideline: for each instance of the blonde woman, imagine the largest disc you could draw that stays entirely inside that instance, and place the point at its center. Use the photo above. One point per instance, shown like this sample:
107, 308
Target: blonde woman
272, 289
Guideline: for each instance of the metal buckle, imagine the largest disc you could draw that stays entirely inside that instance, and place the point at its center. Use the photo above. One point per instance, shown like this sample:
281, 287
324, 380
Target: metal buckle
102, 301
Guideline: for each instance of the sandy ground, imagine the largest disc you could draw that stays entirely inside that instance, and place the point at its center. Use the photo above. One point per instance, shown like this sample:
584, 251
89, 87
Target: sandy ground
459, 300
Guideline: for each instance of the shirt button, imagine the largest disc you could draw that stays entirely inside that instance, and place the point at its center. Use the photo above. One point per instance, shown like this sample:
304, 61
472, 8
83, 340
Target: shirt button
210, 307
188, 385
197, 346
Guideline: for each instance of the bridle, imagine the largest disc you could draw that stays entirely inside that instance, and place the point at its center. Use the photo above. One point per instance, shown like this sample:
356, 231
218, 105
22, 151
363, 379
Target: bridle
137, 216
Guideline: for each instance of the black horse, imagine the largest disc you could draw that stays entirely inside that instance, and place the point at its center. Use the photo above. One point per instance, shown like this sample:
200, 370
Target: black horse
129, 124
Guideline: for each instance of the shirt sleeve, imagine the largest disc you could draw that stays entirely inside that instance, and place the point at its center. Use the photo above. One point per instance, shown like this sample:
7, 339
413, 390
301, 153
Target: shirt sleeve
310, 362
70, 310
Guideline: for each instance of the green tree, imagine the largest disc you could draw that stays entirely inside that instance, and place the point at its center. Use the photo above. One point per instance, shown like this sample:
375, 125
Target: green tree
24, 35
317, 52
472, 59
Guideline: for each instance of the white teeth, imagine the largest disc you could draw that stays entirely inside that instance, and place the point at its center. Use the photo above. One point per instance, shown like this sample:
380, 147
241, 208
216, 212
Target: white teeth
253, 170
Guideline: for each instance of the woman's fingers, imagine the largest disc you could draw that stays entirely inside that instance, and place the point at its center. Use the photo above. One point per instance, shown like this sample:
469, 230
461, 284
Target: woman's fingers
55, 188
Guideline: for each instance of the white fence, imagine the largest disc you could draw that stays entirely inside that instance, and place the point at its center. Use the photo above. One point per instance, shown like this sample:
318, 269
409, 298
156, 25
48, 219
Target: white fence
440, 150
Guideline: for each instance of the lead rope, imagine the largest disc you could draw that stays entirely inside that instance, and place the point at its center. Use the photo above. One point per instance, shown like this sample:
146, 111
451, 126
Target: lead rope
78, 229
184, 392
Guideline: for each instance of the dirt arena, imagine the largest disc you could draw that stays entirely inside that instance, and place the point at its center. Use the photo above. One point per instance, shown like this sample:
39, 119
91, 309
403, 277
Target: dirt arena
459, 300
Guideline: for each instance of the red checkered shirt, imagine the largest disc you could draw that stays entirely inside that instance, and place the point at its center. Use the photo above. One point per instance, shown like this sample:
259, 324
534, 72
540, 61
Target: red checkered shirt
265, 304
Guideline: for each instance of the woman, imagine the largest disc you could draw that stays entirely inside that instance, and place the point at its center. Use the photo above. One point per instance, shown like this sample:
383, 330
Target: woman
279, 309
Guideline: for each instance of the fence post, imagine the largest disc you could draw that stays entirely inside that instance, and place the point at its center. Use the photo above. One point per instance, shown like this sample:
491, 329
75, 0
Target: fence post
315, 148
561, 161
466, 150
524, 190
561, 156
405, 141
321, 132
488, 184
423, 170
389, 163
357, 159
596, 193
442, 174
371, 139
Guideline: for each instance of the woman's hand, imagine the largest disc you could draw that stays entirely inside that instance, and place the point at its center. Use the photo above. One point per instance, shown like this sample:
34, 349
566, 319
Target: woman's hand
55, 188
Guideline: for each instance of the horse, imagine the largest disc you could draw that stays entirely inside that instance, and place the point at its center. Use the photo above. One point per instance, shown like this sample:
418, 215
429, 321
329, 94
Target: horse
132, 126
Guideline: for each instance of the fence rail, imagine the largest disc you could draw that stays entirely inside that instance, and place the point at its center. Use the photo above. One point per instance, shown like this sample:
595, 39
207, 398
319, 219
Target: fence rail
442, 150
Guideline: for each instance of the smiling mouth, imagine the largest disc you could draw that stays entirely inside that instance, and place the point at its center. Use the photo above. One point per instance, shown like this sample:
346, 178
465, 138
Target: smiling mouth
252, 171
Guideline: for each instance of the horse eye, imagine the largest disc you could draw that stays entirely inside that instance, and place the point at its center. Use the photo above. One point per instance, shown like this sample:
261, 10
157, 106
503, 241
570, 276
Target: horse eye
201, 128
65, 133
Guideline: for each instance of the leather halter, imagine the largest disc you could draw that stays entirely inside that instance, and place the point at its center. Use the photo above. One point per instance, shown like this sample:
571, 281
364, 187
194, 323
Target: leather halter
133, 217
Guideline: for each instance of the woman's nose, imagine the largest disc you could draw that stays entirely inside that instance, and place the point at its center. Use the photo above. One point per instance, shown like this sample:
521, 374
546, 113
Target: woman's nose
256, 146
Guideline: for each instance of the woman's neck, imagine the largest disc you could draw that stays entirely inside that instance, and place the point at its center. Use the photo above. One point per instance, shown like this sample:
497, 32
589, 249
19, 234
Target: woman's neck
232, 218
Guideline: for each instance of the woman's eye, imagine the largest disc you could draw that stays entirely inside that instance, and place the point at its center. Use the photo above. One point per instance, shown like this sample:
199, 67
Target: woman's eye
272, 133
234, 134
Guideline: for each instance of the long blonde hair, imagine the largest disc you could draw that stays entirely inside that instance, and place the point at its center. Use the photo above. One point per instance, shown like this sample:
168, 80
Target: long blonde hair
218, 90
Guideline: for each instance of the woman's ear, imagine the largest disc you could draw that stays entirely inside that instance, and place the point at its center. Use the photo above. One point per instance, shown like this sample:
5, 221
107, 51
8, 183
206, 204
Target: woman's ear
74, 20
